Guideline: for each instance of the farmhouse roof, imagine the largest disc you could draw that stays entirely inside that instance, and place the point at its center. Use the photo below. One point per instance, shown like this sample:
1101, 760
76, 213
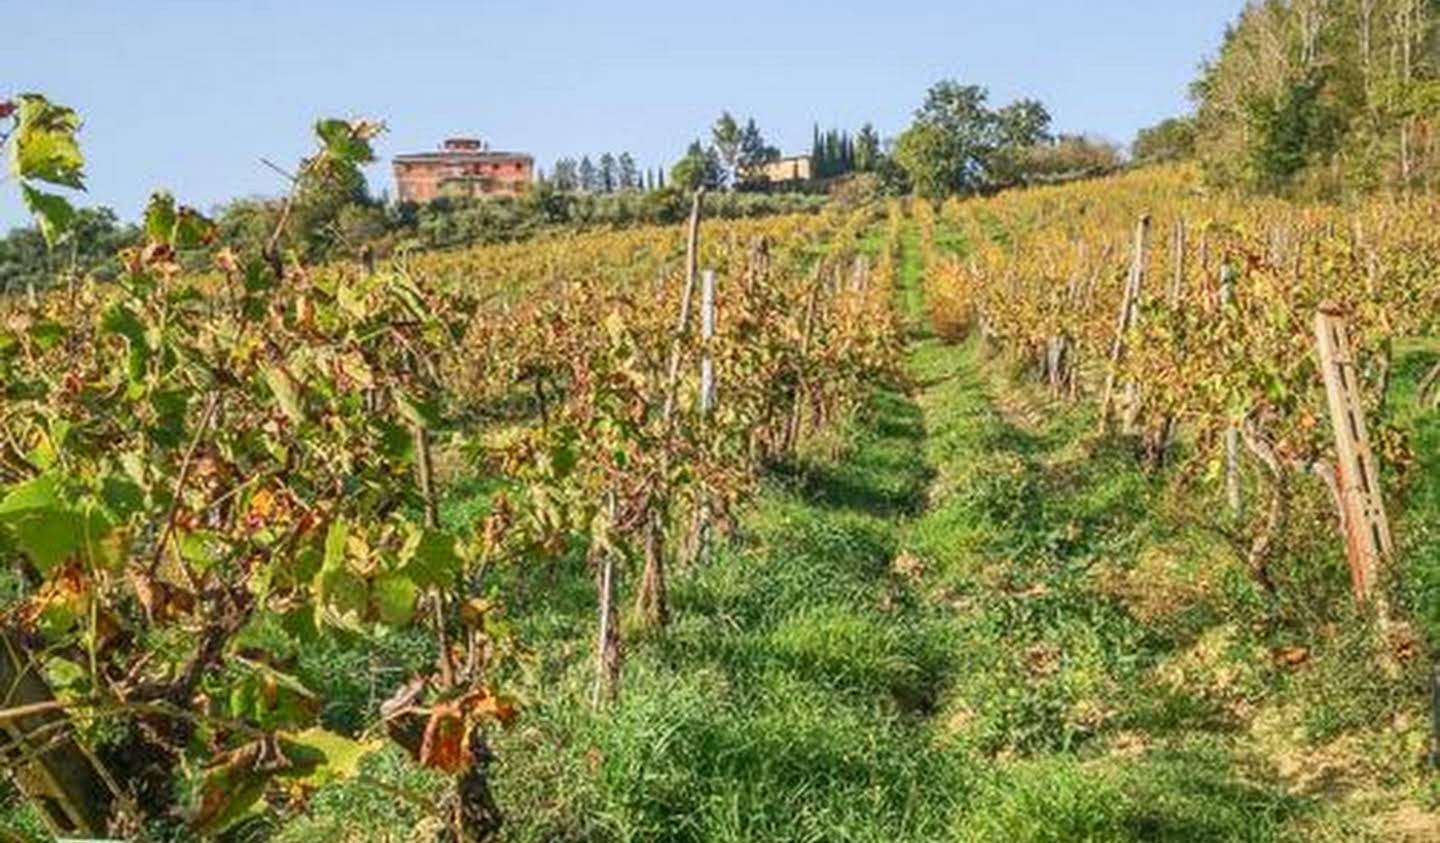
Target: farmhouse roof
464, 156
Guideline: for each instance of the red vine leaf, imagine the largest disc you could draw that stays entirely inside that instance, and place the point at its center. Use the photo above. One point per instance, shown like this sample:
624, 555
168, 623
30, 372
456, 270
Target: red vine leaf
443, 747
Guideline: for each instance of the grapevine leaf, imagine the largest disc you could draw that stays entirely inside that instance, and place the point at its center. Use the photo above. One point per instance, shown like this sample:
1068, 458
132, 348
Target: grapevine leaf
272, 699
258, 278
300, 623
52, 213
43, 526
192, 230
65, 674
282, 385
564, 458
160, 217
353, 302
232, 790
422, 414
397, 445
122, 321
38, 494
47, 536
319, 757
346, 142
335, 539
395, 596
201, 549
486, 704
432, 559
170, 407
47, 334
62, 606
405, 289
102, 544
355, 368
44, 147
443, 746
343, 596
43, 455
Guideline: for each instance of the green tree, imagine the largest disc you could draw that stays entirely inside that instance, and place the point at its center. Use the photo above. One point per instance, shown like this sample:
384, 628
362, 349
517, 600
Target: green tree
928, 156
246, 224
949, 146
608, 176
588, 175
322, 195
960, 111
867, 149
726, 136
1322, 97
699, 168
566, 175
1172, 139
1289, 133
1023, 123
550, 203
94, 237
627, 173
753, 149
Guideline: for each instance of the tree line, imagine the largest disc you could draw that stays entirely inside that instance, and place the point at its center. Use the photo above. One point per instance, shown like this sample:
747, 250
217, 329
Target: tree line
1320, 98
607, 174
958, 144
836, 152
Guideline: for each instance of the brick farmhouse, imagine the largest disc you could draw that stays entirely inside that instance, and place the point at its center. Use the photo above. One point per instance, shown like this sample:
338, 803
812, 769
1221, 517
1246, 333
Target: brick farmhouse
461, 168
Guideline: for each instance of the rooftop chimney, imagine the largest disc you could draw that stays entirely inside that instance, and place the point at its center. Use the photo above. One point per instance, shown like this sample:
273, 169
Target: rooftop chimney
463, 145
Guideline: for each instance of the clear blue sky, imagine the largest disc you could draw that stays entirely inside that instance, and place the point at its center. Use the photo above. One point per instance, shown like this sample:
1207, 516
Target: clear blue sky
188, 95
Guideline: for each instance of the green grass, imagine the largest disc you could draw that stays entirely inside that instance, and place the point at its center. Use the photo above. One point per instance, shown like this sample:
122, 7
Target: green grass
1418, 523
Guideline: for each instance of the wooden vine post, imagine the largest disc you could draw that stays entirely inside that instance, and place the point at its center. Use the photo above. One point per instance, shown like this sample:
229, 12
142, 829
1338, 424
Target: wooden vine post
54, 772
797, 401
1129, 307
682, 324
1362, 510
701, 529
607, 640
1176, 294
707, 335
1234, 494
